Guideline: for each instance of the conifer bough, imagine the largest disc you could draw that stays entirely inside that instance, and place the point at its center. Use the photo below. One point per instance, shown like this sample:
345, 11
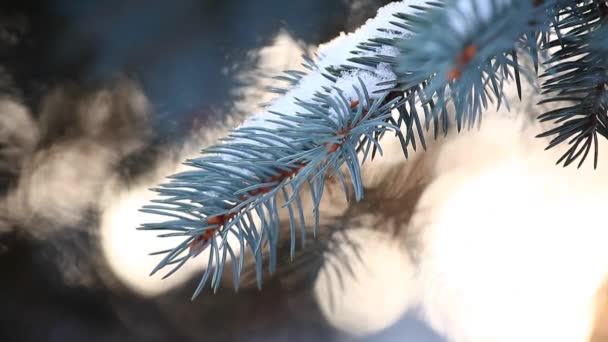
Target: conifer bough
416, 59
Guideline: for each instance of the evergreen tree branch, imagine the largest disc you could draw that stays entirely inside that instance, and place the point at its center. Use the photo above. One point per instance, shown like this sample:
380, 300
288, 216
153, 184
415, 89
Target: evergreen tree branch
315, 130
578, 75
423, 61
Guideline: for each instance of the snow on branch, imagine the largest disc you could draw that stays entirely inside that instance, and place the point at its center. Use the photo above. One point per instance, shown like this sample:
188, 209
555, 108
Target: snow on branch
325, 119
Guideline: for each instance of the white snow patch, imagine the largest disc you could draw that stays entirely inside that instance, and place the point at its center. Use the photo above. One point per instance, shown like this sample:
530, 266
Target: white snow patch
336, 53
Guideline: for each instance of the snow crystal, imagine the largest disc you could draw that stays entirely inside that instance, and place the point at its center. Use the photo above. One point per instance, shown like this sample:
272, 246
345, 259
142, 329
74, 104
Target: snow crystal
374, 81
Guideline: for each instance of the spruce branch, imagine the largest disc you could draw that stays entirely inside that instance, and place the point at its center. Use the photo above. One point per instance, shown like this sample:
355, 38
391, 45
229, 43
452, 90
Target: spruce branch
468, 68
318, 147
422, 62
464, 52
578, 74
326, 123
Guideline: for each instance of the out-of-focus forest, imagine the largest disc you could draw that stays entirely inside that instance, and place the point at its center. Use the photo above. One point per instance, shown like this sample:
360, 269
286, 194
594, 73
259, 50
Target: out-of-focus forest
94, 97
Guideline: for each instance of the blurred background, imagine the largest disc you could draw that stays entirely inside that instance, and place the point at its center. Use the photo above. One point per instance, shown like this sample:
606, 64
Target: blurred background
98, 101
